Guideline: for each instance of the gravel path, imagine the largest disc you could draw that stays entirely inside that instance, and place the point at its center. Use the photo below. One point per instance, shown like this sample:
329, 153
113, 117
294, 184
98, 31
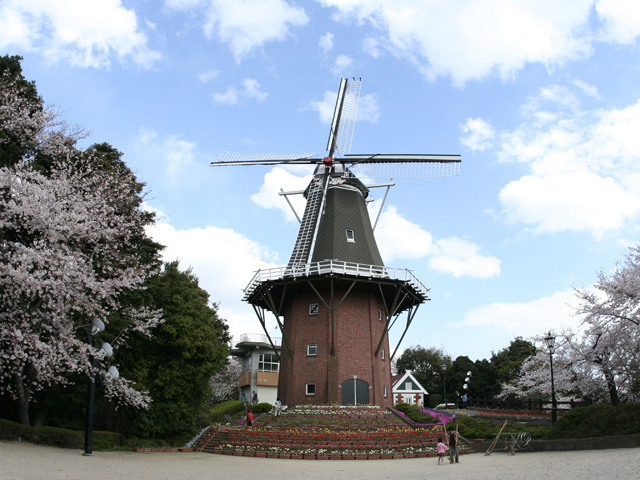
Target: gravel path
20, 461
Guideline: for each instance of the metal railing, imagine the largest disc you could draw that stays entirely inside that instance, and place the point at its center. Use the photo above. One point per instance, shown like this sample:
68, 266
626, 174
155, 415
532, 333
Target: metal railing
334, 267
256, 338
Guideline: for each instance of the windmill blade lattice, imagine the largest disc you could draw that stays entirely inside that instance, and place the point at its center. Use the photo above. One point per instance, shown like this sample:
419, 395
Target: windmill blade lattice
233, 158
344, 116
403, 166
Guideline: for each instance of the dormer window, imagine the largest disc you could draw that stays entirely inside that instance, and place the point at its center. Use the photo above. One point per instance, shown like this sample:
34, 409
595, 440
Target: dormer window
351, 236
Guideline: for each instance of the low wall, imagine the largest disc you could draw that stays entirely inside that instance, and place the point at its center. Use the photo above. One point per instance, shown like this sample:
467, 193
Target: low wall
594, 443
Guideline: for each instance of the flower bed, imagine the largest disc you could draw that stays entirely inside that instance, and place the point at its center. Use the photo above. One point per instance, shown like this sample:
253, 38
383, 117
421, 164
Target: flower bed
333, 432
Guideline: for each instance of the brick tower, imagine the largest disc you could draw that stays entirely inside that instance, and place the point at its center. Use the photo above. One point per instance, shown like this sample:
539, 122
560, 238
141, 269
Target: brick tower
335, 300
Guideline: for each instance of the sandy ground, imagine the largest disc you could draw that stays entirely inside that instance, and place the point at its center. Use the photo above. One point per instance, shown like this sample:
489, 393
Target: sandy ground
26, 461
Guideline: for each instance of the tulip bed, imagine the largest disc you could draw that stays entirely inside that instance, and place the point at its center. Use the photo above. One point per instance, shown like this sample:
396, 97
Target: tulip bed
332, 433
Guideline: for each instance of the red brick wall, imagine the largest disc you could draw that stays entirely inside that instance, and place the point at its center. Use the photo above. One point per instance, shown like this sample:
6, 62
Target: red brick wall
357, 332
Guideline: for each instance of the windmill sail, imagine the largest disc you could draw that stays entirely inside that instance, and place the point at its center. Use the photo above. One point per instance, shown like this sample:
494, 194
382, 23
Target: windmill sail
344, 116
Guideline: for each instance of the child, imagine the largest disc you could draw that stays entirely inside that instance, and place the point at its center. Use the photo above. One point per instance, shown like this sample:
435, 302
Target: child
440, 448
249, 419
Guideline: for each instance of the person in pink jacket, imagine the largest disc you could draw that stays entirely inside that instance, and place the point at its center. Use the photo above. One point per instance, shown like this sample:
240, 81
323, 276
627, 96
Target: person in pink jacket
440, 449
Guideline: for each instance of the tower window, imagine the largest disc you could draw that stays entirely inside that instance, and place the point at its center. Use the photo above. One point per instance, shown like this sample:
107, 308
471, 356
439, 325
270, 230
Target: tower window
351, 236
380, 315
312, 349
382, 353
268, 362
385, 390
311, 388
314, 308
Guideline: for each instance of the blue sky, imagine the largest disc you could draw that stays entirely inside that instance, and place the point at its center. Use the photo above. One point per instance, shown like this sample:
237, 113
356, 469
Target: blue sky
540, 98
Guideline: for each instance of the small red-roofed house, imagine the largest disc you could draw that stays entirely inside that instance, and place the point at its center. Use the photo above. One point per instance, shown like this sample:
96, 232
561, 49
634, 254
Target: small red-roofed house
405, 388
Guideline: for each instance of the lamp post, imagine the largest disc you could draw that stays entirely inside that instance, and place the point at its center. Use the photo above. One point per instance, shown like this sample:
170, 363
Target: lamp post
550, 340
97, 326
467, 387
444, 384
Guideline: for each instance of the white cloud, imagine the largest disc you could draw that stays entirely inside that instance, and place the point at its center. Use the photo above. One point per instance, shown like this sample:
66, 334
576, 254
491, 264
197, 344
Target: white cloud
578, 201
368, 107
341, 64
173, 157
460, 258
398, 238
224, 262
583, 166
246, 24
250, 89
371, 46
526, 319
208, 76
326, 42
478, 134
230, 97
588, 90
620, 19
81, 33
326, 106
281, 178
474, 39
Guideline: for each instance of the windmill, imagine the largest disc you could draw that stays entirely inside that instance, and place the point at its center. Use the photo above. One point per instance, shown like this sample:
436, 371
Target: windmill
335, 300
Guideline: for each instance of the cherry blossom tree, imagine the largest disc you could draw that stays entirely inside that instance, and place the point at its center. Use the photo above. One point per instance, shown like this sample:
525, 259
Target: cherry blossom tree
611, 315
224, 384
69, 236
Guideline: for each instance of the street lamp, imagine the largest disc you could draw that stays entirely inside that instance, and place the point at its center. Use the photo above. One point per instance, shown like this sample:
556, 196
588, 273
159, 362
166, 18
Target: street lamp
467, 386
550, 340
444, 385
97, 326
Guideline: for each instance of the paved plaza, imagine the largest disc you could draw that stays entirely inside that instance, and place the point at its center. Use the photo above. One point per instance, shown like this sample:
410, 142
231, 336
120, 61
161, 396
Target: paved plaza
24, 461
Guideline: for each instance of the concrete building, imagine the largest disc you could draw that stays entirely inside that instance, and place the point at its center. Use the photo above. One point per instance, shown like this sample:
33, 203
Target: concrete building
260, 366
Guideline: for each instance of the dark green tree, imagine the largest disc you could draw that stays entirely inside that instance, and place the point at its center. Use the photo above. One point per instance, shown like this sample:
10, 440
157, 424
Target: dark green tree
13, 148
508, 361
177, 364
426, 366
483, 382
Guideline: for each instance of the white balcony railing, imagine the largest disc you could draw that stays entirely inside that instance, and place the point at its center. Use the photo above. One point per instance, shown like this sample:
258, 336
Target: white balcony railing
335, 267
256, 338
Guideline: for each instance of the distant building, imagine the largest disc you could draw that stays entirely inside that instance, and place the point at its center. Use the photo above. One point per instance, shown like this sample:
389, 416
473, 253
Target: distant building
405, 388
260, 366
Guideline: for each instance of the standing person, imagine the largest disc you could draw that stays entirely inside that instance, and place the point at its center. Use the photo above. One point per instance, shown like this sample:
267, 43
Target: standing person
254, 400
464, 400
250, 419
440, 449
277, 406
453, 445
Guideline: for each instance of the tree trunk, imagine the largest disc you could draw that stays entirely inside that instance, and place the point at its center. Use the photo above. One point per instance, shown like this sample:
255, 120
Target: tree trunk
611, 386
38, 416
22, 400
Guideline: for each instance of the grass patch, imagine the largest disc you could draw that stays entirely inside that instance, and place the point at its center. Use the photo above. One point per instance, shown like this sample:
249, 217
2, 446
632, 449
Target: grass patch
413, 412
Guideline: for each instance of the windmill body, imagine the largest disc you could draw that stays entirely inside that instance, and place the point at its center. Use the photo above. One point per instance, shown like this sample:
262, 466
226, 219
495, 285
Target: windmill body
335, 301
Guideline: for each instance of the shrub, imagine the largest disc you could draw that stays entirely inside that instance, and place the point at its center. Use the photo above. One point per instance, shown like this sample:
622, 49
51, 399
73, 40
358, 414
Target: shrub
60, 437
261, 407
472, 428
231, 407
598, 421
434, 399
